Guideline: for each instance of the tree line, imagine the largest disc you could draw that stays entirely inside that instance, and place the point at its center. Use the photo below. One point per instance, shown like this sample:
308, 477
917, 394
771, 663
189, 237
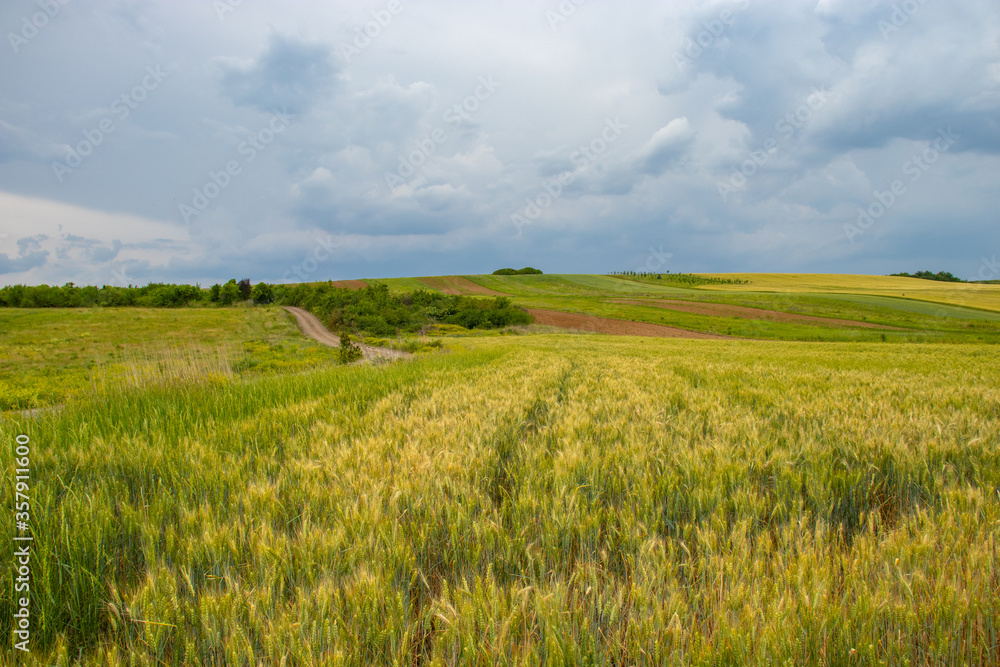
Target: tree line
943, 276
373, 311
153, 295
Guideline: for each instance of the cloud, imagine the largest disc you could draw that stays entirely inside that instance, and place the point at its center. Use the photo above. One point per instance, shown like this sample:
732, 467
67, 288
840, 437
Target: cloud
810, 107
22, 144
665, 146
291, 74
67, 241
21, 263
29, 255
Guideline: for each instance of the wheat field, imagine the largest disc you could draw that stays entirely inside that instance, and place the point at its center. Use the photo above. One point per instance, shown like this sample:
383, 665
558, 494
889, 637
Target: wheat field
556, 500
970, 295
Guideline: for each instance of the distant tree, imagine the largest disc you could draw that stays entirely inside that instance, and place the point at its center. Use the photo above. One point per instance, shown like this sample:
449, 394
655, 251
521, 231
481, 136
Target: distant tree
262, 293
230, 293
245, 289
189, 293
214, 292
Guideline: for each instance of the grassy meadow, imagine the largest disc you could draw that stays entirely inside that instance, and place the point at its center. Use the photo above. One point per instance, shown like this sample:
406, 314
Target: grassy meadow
52, 355
911, 320
526, 500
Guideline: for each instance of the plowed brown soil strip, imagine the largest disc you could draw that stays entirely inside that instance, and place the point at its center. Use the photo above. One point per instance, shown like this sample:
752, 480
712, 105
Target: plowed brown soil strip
350, 284
743, 312
457, 285
606, 325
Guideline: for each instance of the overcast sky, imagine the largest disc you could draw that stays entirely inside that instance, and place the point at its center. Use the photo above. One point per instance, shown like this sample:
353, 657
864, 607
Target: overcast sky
194, 141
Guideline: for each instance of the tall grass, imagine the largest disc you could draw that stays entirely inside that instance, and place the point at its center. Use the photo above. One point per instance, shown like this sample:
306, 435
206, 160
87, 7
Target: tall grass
164, 364
536, 500
58, 355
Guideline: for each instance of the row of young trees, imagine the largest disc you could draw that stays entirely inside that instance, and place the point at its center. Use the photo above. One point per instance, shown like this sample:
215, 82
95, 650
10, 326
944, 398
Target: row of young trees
686, 278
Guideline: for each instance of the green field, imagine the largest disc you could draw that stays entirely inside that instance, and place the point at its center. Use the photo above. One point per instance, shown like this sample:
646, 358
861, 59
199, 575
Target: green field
236, 496
981, 296
916, 320
929, 312
51, 355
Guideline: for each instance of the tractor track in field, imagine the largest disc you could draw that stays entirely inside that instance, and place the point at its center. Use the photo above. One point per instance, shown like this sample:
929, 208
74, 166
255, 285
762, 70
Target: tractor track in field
457, 285
747, 313
313, 328
605, 325
349, 284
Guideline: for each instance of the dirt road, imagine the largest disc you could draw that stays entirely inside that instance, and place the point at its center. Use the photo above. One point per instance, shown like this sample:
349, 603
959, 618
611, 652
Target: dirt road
312, 327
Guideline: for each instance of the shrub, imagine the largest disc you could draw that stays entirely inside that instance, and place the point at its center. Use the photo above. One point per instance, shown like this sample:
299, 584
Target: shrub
349, 350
